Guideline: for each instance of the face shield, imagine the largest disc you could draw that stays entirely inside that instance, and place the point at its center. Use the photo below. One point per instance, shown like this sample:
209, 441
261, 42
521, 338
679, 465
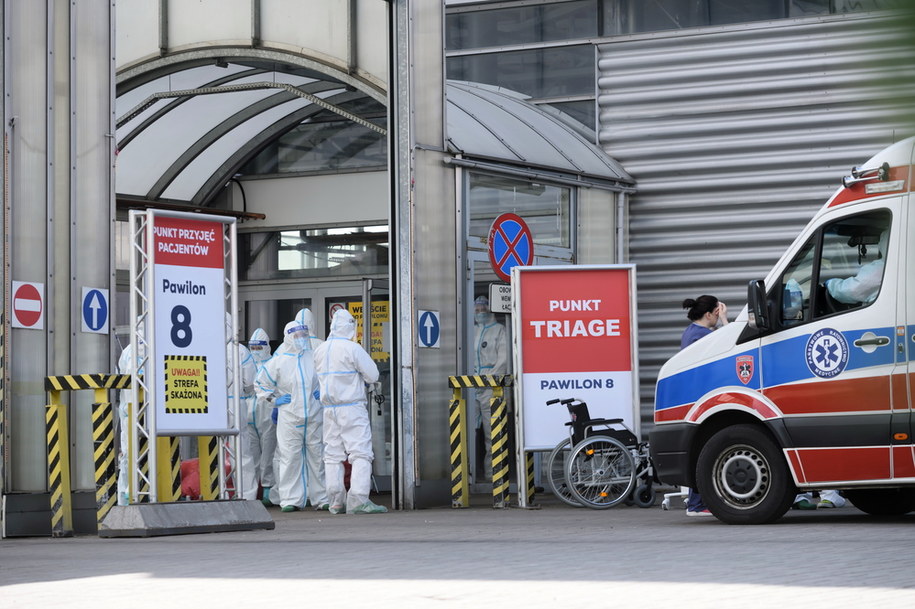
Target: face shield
299, 337
260, 350
481, 313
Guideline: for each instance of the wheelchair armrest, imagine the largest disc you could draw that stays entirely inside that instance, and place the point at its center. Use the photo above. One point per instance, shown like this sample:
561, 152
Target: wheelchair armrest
594, 422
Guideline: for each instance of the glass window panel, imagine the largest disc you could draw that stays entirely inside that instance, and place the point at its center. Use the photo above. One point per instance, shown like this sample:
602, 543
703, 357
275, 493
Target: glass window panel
356, 250
582, 111
739, 11
808, 8
631, 16
320, 146
545, 208
540, 73
569, 20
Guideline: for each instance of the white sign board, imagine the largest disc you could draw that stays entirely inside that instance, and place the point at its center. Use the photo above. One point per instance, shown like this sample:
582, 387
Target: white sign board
576, 337
190, 326
500, 298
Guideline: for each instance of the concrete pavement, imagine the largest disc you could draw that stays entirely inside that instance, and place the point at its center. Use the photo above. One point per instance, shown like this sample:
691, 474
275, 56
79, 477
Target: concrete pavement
480, 557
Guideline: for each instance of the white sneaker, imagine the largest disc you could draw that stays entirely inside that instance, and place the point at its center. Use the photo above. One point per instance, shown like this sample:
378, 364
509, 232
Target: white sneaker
699, 513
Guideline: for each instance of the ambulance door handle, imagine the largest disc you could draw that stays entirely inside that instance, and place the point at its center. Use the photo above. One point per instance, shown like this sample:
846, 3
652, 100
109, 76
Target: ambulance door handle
877, 341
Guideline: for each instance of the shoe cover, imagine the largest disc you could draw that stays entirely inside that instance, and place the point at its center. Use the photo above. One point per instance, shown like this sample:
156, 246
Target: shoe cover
370, 508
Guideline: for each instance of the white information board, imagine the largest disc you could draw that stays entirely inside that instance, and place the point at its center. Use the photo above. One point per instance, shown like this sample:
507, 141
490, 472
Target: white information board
575, 335
189, 348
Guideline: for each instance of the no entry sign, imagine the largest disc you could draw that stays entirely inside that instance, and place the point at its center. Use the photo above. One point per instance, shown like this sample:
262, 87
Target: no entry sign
28, 305
510, 245
577, 331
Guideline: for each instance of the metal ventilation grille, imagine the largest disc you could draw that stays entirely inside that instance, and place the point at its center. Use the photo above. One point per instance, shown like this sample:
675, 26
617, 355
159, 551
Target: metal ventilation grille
735, 137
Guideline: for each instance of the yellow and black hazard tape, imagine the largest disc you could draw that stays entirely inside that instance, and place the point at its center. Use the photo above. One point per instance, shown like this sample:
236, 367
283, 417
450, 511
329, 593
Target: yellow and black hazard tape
460, 470
57, 481
468, 381
208, 467
104, 451
500, 456
75, 382
169, 469
529, 476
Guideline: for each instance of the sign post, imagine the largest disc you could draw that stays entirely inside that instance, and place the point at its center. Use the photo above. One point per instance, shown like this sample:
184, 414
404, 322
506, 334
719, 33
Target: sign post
575, 335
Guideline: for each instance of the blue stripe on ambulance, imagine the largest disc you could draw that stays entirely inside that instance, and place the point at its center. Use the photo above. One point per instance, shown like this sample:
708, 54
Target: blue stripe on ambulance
689, 385
785, 362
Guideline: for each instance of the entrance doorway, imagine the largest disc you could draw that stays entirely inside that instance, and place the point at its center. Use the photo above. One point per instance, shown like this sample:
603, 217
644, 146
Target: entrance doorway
271, 308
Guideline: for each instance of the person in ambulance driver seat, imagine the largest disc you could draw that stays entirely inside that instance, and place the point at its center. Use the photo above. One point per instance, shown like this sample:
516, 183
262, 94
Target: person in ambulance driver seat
863, 286
344, 368
706, 313
490, 357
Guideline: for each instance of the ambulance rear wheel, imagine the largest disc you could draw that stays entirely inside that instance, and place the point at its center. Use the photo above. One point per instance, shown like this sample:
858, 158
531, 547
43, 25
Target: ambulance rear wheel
743, 478
883, 501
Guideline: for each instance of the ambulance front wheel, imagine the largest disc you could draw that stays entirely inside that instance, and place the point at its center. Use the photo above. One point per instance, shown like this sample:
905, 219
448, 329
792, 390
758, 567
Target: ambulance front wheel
742, 476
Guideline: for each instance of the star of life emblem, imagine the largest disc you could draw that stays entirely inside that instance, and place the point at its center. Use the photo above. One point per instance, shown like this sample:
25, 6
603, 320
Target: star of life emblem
744, 366
826, 353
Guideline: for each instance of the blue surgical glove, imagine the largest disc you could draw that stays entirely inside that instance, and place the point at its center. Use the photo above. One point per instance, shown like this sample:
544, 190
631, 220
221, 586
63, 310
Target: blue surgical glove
283, 399
273, 415
316, 394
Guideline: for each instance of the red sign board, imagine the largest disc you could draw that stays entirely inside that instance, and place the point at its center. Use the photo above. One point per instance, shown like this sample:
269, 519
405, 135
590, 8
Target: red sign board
577, 330
28, 305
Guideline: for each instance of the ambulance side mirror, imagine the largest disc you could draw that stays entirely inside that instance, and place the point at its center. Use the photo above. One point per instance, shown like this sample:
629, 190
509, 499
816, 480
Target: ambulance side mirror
757, 305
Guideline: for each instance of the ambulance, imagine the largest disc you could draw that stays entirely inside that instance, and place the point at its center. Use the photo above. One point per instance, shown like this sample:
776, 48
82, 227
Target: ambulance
813, 386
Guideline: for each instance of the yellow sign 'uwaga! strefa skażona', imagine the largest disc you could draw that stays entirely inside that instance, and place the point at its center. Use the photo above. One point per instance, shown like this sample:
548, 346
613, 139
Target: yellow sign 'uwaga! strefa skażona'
185, 384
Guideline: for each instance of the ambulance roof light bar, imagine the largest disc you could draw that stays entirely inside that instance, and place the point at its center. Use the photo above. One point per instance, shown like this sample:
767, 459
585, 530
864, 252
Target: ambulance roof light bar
858, 174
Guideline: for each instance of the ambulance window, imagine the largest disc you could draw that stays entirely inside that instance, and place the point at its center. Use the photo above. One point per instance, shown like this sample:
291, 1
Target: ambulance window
852, 262
794, 295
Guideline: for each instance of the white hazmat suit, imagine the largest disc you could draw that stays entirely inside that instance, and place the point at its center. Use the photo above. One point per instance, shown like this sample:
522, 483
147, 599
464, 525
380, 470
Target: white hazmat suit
864, 285
247, 371
126, 364
490, 350
343, 369
291, 377
260, 431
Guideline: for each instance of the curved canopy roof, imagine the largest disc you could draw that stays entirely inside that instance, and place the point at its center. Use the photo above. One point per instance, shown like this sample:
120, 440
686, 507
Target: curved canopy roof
184, 131
493, 123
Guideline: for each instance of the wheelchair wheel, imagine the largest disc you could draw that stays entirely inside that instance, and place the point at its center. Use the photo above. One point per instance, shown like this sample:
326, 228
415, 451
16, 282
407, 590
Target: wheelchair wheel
644, 495
600, 472
556, 473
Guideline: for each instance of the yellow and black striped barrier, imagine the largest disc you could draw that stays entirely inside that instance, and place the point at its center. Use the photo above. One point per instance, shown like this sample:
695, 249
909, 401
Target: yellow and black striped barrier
104, 449
460, 468
58, 442
208, 467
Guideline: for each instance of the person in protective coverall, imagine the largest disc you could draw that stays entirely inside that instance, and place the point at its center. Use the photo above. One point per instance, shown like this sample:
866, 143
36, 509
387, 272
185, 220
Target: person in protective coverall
343, 369
126, 364
490, 350
290, 376
260, 432
306, 319
247, 371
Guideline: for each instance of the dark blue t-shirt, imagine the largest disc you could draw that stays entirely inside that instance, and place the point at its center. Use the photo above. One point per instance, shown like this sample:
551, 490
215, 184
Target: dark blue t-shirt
692, 333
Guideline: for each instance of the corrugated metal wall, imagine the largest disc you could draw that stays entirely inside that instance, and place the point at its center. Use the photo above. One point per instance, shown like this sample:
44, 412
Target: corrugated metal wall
736, 136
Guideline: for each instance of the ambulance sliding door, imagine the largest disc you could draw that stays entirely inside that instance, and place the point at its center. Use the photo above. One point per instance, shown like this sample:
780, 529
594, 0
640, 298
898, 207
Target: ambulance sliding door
904, 382
827, 364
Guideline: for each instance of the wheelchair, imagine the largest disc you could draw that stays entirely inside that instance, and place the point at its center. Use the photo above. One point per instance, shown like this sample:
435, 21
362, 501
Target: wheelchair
600, 464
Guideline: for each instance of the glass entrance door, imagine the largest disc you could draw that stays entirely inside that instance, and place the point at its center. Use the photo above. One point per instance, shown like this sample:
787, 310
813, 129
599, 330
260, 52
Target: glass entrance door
271, 308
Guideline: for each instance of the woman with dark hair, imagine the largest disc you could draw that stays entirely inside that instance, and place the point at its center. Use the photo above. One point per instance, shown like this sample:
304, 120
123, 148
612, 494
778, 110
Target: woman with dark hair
706, 313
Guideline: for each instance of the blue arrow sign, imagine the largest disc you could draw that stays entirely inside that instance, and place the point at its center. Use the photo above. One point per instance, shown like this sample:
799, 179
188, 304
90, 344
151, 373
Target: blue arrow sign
429, 328
95, 310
